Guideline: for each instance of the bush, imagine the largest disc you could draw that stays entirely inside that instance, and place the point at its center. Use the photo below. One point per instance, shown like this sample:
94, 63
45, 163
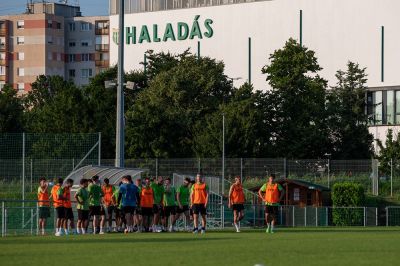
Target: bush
348, 194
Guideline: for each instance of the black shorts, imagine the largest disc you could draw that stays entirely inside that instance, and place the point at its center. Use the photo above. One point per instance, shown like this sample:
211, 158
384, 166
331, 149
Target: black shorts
273, 210
157, 208
138, 211
118, 213
169, 210
69, 214
129, 209
199, 209
95, 210
44, 212
83, 215
110, 210
185, 208
60, 212
102, 210
147, 211
238, 207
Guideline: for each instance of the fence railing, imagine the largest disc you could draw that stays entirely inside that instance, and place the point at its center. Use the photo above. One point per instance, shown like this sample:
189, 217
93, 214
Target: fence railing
22, 217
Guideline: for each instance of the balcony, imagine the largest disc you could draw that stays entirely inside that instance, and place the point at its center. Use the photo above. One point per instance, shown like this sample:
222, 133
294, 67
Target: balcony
102, 63
104, 31
2, 46
2, 77
3, 31
3, 62
102, 47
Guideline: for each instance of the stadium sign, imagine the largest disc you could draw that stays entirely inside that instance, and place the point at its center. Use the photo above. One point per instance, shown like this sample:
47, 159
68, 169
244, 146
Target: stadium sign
170, 32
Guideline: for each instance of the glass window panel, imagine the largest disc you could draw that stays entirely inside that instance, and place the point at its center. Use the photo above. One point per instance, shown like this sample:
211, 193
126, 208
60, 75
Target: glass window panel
397, 107
378, 102
390, 112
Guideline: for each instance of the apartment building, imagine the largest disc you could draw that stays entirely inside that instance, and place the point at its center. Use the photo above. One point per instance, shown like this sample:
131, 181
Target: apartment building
40, 42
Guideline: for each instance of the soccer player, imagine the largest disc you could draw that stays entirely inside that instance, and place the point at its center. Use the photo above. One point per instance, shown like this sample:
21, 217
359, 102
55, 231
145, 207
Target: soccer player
43, 203
169, 204
69, 215
108, 201
146, 204
236, 202
138, 213
158, 190
82, 198
199, 201
95, 195
57, 193
182, 198
128, 195
272, 194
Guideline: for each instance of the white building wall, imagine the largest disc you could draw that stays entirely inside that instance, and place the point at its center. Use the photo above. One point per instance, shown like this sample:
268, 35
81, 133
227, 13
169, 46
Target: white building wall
337, 30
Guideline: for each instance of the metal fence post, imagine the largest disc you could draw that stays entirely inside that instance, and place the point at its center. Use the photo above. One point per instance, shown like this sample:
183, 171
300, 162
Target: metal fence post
23, 179
5, 222
365, 216
376, 216
37, 218
2, 219
31, 175
156, 167
387, 216
305, 216
254, 215
329, 173
293, 215
391, 177
316, 216
281, 215
326, 216
31, 221
241, 170
99, 151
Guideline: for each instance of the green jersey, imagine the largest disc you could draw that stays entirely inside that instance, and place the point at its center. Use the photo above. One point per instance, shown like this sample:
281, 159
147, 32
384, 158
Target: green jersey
83, 196
169, 197
158, 191
183, 195
95, 194
116, 194
264, 189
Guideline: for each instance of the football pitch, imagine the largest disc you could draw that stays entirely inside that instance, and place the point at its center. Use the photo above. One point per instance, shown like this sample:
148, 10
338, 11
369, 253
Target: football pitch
298, 246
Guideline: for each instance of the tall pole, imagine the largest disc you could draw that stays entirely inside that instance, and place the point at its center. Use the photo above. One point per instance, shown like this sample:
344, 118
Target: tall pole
223, 153
23, 179
120, 141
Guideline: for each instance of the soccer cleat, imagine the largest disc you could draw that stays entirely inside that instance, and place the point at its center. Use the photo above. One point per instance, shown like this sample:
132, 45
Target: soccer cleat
237, 230
195, 231
203, 231
57, 234
101, 233
126, 231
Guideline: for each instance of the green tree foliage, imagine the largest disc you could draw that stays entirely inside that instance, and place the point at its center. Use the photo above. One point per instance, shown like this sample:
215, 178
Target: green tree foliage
348, 121
11, 111
388, 152
297, 102
161, 123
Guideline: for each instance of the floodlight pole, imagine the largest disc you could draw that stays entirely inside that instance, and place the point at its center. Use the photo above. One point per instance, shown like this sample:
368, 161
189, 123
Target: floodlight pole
120, 136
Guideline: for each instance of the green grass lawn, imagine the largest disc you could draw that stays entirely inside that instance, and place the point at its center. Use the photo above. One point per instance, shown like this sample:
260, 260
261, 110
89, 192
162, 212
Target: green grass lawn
331, 246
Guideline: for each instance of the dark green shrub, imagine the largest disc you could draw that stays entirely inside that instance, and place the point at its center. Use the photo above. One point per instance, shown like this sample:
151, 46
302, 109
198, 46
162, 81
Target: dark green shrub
348, 194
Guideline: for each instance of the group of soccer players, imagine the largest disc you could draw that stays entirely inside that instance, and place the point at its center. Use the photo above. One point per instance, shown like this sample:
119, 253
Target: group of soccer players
148, 206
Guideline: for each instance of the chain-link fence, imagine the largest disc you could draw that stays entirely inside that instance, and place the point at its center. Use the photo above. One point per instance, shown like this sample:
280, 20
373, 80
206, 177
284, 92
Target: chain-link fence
26, 157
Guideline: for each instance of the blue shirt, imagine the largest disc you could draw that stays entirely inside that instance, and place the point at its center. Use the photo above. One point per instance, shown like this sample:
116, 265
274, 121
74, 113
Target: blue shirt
129, 193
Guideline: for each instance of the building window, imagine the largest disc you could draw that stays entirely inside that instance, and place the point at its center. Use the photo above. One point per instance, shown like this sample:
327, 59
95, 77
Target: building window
390, 108
50, 56
85, 57
85, 43
21, 86
58, 57
58, 25
71, 58
383, 107
71, 26
20, 40
86, 26
86, 73
71, 73
50, 39
2, 84
71, 44
2, 70
21, 72
20, 24
21, 56
2, 56
50, 24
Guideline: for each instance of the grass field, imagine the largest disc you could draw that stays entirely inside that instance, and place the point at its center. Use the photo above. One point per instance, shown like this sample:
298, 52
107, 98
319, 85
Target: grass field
331, 246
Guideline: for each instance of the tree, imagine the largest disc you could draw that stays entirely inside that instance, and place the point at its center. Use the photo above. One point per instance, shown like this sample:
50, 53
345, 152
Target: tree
245, 131
388, 152
161, 122
348, 121
11, 111
297, 103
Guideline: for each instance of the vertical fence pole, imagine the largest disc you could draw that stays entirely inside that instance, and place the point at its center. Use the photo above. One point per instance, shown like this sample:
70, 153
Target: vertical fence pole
198, 165
376, 216
387, 216
316, 216
156, 167
23, 179
329, 173
293, 215
254, 215
241, 170
391, 177
31, 221
31, 175
326, 216
73, 164
99, 152
2, 219
285, 168
5, 222
365, 216
305, 216
37, 218
281, 215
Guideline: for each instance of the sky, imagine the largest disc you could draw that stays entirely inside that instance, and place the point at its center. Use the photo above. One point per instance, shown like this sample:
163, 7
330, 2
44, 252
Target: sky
88, 7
